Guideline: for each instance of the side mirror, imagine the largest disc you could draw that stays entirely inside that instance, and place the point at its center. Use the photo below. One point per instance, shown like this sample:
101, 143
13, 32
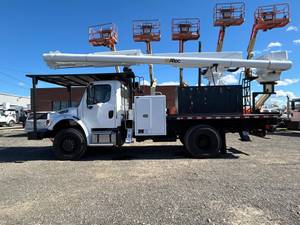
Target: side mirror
90, 95
293, 105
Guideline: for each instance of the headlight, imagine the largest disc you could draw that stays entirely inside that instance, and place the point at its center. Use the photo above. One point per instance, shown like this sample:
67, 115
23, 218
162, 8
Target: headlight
48, 122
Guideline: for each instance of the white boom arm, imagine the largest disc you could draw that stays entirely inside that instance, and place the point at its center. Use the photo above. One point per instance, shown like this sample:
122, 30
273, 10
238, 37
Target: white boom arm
218, 60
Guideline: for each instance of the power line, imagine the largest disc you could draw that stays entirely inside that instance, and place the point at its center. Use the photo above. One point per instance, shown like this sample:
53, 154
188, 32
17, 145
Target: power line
13, 77
8, 82
15, 70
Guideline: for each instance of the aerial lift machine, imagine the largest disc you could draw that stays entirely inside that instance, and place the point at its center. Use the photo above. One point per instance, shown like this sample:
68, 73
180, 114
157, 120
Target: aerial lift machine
112, 105
147, 31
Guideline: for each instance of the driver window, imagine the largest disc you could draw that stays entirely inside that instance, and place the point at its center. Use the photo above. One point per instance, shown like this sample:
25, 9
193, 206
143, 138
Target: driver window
101, 93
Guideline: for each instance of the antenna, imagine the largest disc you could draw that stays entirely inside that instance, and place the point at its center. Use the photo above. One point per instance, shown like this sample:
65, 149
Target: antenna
147, 31
183, 30
225, 15
104, 35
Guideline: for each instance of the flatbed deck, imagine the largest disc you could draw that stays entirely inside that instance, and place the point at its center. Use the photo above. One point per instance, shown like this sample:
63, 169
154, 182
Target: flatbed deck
221, 116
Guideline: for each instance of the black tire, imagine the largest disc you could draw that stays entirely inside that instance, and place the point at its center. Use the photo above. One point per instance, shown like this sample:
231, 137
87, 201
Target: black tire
259, 133
203, 141
69, 144
11, 123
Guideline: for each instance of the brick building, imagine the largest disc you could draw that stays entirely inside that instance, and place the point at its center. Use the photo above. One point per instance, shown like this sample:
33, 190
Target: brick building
53, 99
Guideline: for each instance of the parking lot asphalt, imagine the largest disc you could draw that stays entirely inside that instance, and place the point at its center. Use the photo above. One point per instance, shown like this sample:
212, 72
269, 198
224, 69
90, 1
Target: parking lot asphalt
256, 182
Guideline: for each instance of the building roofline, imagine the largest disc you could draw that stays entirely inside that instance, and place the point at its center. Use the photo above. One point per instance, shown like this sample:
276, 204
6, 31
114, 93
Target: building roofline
14, 95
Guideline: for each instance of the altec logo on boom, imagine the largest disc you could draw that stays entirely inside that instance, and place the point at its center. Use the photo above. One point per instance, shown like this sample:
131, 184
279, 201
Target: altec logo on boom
173, 60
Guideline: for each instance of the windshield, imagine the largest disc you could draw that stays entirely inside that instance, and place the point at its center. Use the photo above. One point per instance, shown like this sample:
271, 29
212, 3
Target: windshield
297, 104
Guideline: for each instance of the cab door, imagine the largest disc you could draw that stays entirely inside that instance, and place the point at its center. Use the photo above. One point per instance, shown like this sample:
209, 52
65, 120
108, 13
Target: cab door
100, 110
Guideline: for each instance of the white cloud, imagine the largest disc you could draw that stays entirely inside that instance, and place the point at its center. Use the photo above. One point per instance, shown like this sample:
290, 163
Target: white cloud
274, 44
282, 93
229, 79
292, 28
145, 82
297, 42
287, 82
277, 102
257, 52
167, 83
21, 84
280, 98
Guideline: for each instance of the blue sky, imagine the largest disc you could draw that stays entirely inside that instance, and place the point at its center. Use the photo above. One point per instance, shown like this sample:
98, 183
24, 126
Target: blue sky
31, 28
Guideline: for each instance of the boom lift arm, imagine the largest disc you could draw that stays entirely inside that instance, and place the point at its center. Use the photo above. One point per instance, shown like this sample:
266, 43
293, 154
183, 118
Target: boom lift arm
266, 18
268, 68
147, 31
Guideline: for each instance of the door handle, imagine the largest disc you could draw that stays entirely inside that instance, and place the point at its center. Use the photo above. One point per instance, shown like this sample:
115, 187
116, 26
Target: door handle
110, 114
90, 107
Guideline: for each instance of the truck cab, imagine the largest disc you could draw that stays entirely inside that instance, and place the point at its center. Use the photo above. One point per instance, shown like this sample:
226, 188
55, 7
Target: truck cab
294, 113
100, 115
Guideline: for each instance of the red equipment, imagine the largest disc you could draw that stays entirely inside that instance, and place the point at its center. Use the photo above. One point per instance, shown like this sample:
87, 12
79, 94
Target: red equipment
225, 15
147, 31
267, 18
103, 35
183, 30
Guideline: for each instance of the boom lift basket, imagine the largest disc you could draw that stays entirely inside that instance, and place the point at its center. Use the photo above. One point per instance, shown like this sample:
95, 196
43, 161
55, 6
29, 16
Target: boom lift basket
186, 29
271, 16
146, 30
103, 35
229, 14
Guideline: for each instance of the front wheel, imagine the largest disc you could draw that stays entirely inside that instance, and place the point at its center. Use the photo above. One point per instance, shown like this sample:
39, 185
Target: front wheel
11, 123
202, 141
69, 144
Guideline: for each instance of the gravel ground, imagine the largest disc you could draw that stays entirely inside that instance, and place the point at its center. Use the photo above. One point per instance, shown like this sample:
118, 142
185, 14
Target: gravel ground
255, 183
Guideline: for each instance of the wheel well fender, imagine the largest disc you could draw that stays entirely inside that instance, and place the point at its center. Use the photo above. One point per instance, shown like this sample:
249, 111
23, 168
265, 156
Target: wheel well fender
68, 123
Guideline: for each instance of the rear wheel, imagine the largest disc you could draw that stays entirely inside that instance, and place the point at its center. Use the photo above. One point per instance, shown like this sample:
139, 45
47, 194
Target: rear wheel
203, 141
69, 144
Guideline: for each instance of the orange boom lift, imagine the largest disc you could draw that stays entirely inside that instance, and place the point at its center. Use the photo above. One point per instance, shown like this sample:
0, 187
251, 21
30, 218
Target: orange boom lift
226, 15
147, 31
184, 30
265, 18
104, 35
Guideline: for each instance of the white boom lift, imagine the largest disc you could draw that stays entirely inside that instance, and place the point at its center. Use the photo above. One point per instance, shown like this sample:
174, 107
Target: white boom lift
268, 67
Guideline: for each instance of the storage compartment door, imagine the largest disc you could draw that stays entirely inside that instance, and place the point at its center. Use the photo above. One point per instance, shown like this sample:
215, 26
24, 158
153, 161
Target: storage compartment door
142, 116
158, 115
150, 115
